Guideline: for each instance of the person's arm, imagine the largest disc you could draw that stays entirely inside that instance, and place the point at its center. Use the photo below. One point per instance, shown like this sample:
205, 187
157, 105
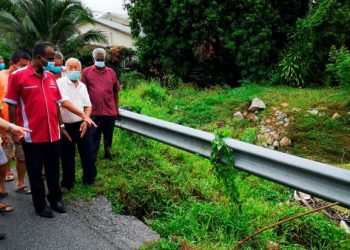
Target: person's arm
20, 132
116, 92
60, 122
84, 125
67, 104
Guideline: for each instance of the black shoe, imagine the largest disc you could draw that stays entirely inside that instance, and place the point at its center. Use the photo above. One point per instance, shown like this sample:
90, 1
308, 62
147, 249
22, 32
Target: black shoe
46, 213
59, 207
109, 155
2, 236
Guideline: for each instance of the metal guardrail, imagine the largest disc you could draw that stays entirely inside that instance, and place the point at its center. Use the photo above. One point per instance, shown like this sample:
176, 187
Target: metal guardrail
321, 180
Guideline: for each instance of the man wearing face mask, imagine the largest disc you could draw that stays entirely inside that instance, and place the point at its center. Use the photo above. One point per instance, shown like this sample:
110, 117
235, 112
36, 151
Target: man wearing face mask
19, 59
33, 94
103, 87
57, 67
72, 90
2, 63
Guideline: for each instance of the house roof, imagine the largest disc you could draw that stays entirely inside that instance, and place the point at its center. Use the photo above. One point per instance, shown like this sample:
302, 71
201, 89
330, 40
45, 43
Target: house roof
120, 25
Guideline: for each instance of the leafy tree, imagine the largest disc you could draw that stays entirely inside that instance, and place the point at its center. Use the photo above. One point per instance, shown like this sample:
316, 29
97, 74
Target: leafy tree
212, 41
56, 21
326, 24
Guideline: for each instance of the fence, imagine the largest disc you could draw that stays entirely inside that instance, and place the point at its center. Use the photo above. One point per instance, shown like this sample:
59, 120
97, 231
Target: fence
319, 179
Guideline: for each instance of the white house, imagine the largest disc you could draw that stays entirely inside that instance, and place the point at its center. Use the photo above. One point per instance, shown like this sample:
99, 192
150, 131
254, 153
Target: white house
114, 26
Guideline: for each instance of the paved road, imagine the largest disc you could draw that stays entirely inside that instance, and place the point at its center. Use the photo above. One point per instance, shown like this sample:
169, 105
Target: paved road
85, 226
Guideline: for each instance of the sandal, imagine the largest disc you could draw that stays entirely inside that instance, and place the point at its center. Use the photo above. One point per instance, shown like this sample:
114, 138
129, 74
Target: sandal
9, 176
23, 190
4, 208
3, 195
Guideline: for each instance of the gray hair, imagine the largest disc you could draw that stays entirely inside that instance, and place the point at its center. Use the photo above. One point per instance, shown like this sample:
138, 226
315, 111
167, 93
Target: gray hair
59, 55
98, 51
72, 59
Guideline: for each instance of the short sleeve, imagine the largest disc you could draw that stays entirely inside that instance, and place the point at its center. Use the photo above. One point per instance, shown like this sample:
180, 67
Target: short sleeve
86, 97
62, 90
57, 93
13, 90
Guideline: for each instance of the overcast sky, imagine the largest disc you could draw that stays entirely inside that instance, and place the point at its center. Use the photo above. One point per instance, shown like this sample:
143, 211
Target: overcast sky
115, 6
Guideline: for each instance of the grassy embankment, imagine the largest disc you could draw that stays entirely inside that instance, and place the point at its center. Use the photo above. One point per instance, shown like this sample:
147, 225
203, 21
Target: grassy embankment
179, 196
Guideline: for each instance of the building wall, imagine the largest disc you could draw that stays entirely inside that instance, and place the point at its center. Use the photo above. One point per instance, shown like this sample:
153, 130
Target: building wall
114, 37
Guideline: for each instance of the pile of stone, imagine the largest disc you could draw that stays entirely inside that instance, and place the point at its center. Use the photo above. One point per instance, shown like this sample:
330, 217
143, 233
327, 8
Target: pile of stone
272, 133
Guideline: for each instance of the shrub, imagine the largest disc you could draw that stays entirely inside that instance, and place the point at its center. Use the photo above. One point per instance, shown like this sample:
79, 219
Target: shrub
339, 68
154, 92
132, 79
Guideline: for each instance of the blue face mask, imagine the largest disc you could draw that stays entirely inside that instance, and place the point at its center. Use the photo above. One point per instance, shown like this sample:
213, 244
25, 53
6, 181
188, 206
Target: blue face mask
50, 66
73, 75
100, 64
56, 69
2, 66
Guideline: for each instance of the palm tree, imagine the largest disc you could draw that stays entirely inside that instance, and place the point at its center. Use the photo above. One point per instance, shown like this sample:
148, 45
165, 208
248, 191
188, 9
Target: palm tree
56, 21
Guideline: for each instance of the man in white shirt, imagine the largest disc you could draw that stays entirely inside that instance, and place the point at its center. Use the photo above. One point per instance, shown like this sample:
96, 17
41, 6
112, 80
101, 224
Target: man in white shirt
75, 93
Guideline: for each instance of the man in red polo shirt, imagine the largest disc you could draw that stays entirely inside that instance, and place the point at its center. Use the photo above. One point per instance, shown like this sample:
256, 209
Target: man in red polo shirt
103, 87
33, 98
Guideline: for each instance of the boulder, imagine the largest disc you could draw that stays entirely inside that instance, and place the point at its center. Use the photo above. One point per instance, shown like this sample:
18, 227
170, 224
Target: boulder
285, 142
238, 116
336, 116
257, 105
313, 111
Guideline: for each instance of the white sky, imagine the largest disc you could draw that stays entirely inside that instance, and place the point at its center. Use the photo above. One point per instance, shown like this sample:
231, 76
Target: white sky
114, 6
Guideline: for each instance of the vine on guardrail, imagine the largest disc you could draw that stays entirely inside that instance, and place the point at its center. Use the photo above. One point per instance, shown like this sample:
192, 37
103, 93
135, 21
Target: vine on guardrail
225, 172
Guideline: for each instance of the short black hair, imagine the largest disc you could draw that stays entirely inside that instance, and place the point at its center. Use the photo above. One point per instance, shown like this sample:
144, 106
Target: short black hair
39, 48
18, 55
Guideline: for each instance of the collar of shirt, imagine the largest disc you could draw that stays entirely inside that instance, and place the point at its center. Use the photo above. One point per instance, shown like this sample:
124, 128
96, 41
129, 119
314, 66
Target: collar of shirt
33, 72
72, 83
99, 71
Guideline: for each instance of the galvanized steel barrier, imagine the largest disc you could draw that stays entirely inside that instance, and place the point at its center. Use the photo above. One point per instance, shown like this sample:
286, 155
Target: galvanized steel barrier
319, 179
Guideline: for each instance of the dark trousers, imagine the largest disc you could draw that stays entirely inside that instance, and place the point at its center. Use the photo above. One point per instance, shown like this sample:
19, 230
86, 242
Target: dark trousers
68, 156
38, 155
105, 126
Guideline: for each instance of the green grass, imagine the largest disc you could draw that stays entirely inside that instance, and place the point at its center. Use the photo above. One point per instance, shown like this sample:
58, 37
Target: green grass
179, 196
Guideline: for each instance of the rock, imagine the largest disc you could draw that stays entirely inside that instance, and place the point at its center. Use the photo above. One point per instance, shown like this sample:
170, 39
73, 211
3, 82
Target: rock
298, 196
296, 109
279, 123
269, 141
276, 144
348, 113
238, 116
336, 116
286, 125
272, 246
271, 147
264, 145
313, 111
285, 105
285, 142
286, 120
345, 225
257, 104
268, 121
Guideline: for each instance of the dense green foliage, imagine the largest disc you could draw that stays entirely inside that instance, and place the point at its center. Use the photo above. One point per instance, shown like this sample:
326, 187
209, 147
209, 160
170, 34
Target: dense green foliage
55, 21
212, 41
227, 41
180, 195
327, 24
339, 66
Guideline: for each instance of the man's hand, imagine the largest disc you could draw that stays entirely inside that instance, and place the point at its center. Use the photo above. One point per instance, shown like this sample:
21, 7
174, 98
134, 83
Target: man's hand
18, 132
83, 129
89, 121
65, 134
